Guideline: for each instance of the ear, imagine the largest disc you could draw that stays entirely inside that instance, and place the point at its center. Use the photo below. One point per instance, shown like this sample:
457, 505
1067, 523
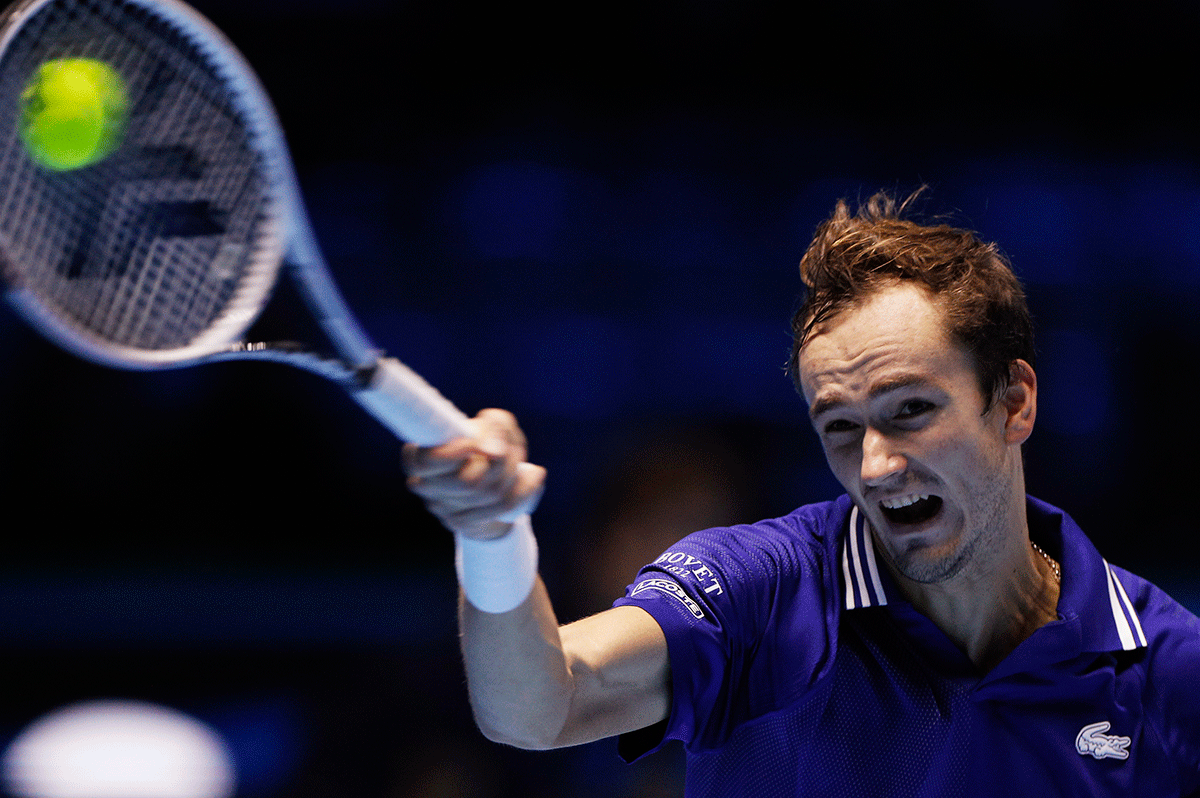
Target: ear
1019, 401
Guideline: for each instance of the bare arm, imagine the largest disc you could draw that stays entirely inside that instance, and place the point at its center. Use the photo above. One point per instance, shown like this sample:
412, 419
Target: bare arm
532, 683
535, 684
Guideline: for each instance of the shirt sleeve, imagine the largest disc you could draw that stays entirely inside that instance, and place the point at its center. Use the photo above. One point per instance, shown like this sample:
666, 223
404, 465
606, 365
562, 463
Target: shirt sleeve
749, 622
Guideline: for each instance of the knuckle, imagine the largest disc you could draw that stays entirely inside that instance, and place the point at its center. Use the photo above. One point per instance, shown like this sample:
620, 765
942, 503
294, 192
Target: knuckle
497, 414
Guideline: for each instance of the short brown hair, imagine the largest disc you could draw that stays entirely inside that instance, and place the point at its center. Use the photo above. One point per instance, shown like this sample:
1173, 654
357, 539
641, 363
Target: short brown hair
852, 256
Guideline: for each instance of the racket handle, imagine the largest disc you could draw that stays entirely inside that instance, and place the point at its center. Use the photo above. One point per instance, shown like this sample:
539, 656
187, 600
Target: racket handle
410, 407
414, 410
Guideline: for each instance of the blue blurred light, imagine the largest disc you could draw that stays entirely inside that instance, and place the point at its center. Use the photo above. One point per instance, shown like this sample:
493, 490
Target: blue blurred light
1161, 223
401, 607
1077, 392
426, 342
1037, 224
512, 210
726, 365
682, 221
580, 367
266, 739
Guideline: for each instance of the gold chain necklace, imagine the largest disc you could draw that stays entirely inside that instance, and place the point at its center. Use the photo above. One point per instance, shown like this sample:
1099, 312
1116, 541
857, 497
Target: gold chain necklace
1053, 564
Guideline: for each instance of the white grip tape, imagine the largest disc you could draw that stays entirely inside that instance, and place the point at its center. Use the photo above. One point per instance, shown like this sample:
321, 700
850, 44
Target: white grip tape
498, 574
411, 407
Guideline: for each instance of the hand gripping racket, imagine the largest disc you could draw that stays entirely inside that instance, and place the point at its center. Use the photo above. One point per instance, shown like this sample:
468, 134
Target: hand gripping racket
163, 253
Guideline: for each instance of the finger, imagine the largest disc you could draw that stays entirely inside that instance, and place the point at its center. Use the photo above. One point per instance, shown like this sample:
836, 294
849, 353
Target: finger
434, 469
489, 479
465, 510
496, 435
528, 485
492, 464
517, 494
426, 462
477, 485
500, 429
476, 467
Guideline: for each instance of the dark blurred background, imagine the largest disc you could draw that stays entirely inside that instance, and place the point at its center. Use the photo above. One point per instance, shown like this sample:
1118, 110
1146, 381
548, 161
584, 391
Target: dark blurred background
590, 215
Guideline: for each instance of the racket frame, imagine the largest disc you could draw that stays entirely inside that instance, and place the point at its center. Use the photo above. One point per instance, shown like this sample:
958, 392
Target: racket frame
397, 396
247, 95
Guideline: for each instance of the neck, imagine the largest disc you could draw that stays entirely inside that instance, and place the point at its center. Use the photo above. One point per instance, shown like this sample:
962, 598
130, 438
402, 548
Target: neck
990, 607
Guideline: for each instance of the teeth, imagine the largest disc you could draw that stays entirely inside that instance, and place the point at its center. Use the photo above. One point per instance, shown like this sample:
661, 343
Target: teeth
903, 501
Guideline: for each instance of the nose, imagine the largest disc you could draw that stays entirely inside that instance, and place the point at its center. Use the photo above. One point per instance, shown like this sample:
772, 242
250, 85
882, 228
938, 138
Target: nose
880, 460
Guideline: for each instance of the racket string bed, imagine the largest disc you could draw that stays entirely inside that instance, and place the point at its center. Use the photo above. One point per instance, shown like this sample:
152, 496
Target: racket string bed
164, 251
168, 242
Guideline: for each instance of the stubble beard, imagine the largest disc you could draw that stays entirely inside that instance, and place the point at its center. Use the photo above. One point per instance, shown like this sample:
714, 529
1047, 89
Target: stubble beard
928, 565
923, 565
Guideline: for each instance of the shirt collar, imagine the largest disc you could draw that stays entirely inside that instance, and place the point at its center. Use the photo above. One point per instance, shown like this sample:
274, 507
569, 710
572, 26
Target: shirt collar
862, 576
1093, 602
1094, 593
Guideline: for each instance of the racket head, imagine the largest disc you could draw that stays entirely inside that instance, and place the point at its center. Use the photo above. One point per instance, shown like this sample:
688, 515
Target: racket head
165, 251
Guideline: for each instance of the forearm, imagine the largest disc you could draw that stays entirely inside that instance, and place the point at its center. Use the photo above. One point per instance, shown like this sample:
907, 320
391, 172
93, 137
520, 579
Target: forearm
531, 683
517, 674
534, 684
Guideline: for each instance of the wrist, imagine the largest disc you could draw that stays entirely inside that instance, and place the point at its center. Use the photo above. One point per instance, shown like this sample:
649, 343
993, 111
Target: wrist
498, 574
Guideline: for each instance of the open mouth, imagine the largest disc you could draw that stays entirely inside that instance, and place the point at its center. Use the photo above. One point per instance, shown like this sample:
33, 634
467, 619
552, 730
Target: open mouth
915, 509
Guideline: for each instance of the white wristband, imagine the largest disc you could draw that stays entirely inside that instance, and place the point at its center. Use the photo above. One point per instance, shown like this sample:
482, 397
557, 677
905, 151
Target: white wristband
498, 574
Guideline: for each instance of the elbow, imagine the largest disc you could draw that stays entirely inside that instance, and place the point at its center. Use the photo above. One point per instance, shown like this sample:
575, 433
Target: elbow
516, 739
528, 735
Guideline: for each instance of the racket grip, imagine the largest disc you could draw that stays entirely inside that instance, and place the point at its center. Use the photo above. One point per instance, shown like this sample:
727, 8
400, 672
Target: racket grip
410, 407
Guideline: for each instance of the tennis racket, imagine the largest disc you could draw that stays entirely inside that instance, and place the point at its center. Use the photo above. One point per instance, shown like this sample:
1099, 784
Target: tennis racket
164, 253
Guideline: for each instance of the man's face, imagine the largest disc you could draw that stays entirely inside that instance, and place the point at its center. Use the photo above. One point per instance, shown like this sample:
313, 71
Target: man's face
897, 405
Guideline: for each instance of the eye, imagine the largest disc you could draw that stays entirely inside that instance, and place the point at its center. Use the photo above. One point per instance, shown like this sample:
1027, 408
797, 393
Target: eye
839, 425
913, 408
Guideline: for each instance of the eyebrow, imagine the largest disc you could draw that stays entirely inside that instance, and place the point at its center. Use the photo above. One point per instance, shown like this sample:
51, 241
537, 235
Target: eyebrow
822, 406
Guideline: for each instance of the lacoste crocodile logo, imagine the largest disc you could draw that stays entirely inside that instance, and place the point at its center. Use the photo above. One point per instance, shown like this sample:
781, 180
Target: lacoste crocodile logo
1092, 740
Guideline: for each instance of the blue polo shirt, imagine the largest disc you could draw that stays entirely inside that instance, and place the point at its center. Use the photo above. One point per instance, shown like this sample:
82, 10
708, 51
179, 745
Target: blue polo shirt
798, 669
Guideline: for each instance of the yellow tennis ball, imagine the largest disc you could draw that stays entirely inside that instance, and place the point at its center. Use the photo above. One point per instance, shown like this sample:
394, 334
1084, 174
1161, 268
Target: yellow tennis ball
73, 113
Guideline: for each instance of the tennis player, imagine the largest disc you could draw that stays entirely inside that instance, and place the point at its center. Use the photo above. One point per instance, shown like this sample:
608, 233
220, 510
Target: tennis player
932, 632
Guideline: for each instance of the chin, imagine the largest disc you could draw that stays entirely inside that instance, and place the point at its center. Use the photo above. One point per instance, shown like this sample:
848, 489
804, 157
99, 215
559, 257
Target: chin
927, 567
929, 552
